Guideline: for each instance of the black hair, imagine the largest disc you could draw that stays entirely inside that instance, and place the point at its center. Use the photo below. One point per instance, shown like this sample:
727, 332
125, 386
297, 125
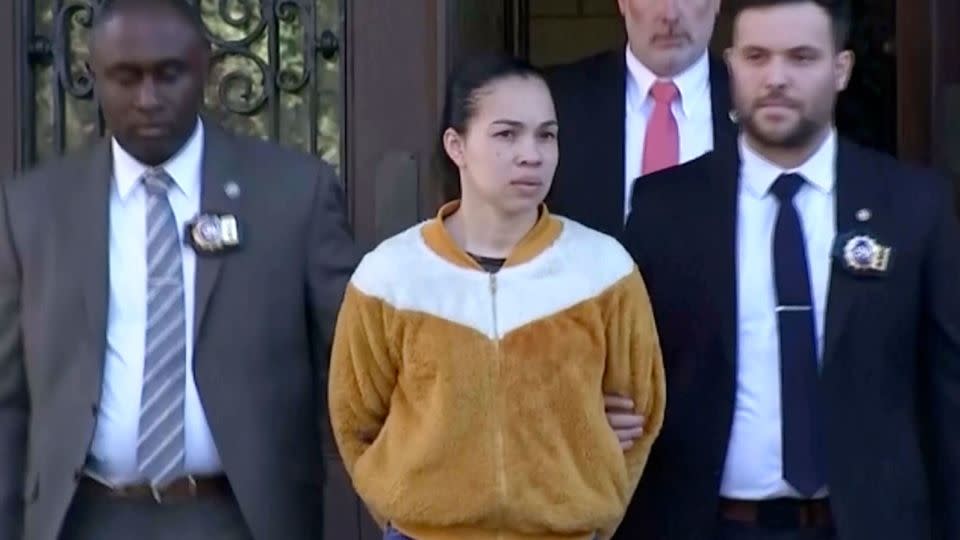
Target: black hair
838, 10
182, 8
464, 87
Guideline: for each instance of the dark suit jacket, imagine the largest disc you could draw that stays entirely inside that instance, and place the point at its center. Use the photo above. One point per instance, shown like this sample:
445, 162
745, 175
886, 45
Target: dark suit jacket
590, 98
264, 322
891, 369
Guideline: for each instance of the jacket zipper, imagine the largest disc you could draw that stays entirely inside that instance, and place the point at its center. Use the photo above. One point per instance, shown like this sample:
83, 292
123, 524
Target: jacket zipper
498, 440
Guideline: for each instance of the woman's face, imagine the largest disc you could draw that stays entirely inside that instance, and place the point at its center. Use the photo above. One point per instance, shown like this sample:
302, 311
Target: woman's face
508, 153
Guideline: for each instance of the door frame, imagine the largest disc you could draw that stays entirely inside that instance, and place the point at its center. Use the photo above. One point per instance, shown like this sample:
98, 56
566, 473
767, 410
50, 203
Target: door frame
914, 46
410, 50
946, 74
10, 63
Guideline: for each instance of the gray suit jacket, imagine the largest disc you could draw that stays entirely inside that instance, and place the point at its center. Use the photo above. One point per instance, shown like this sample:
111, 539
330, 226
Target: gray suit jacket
264, 319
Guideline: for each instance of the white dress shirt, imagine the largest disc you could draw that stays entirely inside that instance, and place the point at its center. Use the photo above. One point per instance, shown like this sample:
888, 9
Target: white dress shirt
113, 455
754, 467
693, 112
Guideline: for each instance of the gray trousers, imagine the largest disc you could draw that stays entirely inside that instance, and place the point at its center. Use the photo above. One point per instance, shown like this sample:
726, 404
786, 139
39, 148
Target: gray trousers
99, 517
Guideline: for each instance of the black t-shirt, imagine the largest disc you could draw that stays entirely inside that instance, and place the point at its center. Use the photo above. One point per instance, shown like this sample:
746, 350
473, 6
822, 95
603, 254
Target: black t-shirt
489, 264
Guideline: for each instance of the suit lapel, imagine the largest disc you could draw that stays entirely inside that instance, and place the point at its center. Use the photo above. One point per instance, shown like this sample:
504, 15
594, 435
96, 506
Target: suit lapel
607, 165
720, 240
87, 233
218, 170
858, 186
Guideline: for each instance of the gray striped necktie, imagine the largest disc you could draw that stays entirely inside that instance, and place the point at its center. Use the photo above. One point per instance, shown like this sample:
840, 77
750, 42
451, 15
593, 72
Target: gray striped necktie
160, 444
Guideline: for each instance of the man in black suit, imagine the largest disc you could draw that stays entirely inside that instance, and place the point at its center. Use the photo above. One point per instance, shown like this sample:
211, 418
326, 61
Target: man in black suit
806, 294
660, 101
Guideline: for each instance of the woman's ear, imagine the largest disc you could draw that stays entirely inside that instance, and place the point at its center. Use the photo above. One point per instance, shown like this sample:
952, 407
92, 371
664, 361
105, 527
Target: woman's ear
453, 146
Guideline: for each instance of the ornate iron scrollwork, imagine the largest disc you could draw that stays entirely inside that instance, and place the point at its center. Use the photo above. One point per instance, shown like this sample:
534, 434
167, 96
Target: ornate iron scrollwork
271, 65
241, 82
76, 80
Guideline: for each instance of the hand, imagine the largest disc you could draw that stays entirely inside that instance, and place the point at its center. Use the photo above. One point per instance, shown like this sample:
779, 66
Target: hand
627, 425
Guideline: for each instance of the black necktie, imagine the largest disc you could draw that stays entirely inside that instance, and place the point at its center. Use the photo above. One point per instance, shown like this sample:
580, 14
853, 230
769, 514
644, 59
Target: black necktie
802, 464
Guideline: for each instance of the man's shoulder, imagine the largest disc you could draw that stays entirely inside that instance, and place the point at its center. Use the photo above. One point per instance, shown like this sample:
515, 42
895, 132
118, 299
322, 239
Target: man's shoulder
599, 60
64, 168
289, 171
673, 199
906, 182
598, 66
676, 181
259, 152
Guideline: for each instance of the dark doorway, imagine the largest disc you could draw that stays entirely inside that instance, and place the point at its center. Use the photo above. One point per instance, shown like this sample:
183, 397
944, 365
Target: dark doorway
867, 110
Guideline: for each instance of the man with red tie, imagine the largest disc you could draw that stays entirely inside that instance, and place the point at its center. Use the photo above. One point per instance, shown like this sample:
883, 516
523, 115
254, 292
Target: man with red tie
660, 101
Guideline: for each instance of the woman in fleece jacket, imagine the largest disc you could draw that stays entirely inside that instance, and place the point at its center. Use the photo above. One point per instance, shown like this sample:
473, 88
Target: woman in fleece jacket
473, 351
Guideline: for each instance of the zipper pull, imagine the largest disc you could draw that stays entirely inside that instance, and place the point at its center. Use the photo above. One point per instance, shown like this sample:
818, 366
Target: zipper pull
493, 283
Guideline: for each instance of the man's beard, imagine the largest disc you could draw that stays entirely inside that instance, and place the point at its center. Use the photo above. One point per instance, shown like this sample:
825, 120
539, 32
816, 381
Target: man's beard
801, 135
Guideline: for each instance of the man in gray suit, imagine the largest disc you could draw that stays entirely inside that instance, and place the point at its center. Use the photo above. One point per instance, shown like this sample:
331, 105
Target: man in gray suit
166, 304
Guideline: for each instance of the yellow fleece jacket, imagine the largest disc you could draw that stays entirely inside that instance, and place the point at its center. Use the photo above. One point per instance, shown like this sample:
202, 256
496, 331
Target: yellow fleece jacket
469, 405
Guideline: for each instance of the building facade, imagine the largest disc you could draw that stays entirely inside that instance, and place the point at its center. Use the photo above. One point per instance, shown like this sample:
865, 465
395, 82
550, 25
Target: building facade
360, 83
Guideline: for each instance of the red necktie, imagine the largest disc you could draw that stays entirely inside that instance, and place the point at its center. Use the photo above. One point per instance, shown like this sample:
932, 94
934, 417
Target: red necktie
661, 147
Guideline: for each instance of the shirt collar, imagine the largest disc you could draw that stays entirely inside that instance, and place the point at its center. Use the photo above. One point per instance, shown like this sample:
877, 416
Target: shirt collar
543, 234
758, 174
183, 167
693, 84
